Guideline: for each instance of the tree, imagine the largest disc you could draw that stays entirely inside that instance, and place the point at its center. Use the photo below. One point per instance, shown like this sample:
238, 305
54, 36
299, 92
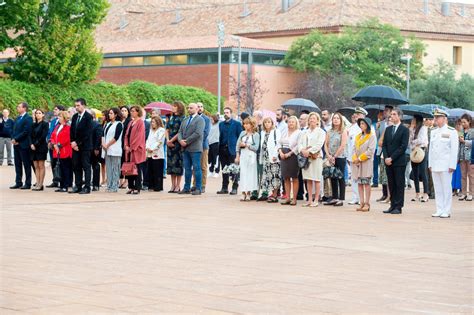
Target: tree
251, 92
370, 52
331, 91
55, 42
441, 87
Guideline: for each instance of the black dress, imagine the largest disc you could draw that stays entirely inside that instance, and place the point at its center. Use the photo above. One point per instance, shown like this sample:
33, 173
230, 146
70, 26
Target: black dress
39, 132
174, 163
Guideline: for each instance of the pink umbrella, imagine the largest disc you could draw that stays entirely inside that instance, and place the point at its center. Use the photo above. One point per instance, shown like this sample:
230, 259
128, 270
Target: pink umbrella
163, 107
268, 113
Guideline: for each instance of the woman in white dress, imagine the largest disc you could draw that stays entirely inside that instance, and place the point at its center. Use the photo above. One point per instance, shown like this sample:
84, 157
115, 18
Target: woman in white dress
247, 146
310, 146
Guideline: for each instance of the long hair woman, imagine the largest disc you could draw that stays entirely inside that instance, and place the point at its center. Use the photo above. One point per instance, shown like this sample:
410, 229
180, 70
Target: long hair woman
419, 139
310, 146
125, 110
155, 154
174, 162
269, 145
112, 148
39, 147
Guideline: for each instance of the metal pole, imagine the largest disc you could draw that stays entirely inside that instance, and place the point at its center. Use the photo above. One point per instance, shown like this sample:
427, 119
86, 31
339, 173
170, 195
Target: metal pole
408, 78
219, 61
238, 78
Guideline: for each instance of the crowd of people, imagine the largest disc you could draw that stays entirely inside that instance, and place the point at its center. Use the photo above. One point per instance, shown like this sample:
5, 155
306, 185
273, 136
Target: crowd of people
311, 158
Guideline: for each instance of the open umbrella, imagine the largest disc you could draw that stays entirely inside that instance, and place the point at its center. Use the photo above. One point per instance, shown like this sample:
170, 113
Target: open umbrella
163, 107
373, 111
346, 112
433, 107
300, 104
380, 94
456, 113
412, 110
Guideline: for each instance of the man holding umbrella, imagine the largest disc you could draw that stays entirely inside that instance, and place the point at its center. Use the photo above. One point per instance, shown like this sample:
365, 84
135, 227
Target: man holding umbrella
443, 155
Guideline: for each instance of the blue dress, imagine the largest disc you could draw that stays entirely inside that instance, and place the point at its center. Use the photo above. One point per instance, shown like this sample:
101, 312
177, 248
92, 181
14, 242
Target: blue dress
456, 181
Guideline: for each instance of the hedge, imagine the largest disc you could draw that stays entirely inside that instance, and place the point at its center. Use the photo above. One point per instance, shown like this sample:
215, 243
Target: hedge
101, 95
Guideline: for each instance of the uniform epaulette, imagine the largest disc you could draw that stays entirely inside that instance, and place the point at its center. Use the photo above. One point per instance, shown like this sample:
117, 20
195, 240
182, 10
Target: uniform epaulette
451, 128
434, 128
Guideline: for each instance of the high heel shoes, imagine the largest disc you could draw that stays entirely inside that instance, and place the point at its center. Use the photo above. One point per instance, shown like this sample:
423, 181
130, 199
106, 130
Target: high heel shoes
38, 188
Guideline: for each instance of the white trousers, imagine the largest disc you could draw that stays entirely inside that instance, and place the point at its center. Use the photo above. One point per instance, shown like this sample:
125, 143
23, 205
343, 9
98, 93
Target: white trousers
355, 190
443, 191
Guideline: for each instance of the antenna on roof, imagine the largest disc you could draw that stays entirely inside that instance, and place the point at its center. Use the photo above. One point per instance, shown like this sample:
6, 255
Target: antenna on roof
246, 12
426, 6
178, 18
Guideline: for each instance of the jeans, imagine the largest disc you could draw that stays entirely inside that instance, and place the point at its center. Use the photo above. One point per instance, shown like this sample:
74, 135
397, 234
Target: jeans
192, 161
375, 179
338, 185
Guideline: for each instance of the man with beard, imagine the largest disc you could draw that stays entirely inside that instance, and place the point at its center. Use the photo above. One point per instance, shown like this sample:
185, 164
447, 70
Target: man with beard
326, 120
281, 125
229, 132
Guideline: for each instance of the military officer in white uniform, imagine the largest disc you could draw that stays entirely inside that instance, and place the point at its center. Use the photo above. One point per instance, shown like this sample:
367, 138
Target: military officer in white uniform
443, 155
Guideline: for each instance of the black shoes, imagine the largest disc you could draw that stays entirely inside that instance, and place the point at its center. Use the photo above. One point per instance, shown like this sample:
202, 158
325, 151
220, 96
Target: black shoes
389, 210
223, 192
25, 187
184, 192
61, 190
52, 185
95, 188
15, 187
396, 211
85, 191
233, 191
196, 192
75, 190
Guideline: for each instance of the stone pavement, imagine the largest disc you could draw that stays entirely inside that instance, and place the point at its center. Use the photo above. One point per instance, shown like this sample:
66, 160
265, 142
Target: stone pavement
162, 253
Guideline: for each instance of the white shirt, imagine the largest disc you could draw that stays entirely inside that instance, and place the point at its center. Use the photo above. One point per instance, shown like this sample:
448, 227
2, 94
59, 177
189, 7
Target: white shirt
283, 127
421, 140
155, 142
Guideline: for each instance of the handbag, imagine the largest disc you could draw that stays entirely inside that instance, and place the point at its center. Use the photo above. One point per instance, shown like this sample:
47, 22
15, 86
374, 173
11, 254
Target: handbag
303, 162
417, 155
129, 168
57, 171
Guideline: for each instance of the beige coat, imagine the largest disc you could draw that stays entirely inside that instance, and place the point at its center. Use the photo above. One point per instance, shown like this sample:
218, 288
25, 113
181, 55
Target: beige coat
314, 139
363, 150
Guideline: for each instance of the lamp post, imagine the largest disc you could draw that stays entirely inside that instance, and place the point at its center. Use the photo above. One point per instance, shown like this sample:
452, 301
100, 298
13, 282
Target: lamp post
239, 40
220, 42
407, 58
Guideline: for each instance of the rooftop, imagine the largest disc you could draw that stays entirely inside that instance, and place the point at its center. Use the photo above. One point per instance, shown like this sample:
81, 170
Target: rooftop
146, 19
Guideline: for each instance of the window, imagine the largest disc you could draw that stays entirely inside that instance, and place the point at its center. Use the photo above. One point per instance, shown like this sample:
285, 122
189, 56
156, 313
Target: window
262, 59
234, 57
155, 60
457, 55
112, 62
133, 61
177, 60
199, 58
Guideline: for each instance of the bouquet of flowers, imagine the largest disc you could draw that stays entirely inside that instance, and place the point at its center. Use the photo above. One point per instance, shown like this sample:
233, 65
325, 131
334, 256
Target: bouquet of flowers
232, 169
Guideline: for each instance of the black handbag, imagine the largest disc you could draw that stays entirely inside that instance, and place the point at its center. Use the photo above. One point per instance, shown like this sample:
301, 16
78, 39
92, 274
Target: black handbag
57, 171
303, 162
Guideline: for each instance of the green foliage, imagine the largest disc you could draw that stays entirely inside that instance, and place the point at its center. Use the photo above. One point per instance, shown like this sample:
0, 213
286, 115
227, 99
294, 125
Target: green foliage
370, 52
54, 40
441, 87
101, 95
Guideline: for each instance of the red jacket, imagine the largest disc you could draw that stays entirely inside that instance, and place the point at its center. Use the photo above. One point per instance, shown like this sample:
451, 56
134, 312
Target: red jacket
136, 130
63, 139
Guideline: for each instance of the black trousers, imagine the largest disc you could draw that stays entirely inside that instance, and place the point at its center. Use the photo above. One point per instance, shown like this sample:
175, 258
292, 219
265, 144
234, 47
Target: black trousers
66, 172
338, 185
420, 171
302, 186
22, 161
95, 163
145, 174
226, 159
212, 157
135, 181
155, 174
53, 165
396, 185
81, 164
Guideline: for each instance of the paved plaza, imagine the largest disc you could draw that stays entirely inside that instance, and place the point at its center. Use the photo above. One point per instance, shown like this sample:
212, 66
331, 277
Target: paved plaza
159, 253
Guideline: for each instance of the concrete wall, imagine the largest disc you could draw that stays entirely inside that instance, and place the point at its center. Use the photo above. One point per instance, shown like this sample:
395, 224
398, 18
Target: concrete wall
436, 49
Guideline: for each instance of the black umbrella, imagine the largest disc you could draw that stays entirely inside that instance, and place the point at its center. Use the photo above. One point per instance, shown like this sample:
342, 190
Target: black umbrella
456, 113
346, 112
374, 110
300, 104
413, 110
380, 94
432, 107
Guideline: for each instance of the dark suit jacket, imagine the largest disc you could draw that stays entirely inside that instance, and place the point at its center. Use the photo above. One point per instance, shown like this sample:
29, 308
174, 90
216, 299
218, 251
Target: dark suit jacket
231, 131
39, 132
22, 131
6, 128
97, 133
395, 146
82, 133
193, 133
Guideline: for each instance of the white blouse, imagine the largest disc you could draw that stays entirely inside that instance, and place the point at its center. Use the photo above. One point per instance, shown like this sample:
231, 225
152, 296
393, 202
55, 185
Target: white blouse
421, 140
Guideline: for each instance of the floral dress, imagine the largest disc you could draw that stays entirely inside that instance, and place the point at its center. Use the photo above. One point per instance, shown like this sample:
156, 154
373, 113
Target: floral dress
174, 163
271, 178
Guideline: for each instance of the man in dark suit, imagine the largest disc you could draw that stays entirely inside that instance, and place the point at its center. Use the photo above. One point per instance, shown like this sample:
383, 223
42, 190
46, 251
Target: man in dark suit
190, 137
229, 132
394, 145
81, 143
21, 140
96, 151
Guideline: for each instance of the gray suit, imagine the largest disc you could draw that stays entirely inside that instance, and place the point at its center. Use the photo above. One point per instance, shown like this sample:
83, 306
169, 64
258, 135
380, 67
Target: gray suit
193, 134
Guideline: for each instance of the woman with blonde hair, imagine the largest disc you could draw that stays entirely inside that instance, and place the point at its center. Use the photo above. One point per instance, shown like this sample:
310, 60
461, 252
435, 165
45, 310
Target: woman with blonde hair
269, 145
247, 146
288, 153
155, 154
310, 147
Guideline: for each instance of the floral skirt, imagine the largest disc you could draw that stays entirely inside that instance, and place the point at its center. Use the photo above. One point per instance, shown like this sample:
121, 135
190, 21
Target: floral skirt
383, 173
271, 178
364, 180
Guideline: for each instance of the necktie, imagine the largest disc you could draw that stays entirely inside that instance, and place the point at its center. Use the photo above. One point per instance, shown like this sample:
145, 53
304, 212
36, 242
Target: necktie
189, 121
394, 130
79, 119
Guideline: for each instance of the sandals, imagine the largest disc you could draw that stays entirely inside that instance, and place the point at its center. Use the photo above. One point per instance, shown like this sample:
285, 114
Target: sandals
293, 203
285, 202
244, 198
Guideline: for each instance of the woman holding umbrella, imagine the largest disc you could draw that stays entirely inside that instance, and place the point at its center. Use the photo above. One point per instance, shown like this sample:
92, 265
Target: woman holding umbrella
419, 141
